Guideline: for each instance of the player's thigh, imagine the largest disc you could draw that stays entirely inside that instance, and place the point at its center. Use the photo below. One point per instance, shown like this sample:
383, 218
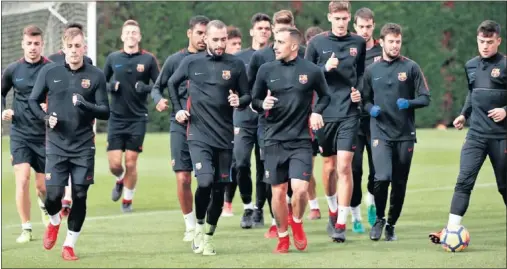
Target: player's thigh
135, 138
244, 141
83, 170
222, 163
357, 160
402, 160
497, 151
20, 152
315, 148
276, 165
38, 154
180, 153
260, 141
326, 138
116, 141
347, 134
382, 152
57, 170
472, 156
300, 163
202, 158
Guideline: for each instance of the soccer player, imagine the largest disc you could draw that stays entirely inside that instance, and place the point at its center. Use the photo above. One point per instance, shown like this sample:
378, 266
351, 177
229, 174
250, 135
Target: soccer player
393, 89
76, 96
59, 57
234, 39
181, 161
27, 134
341, 56
485, 106
364, 24
283, 93
132, 69
217, 85
246, 136
281, 19
312, 188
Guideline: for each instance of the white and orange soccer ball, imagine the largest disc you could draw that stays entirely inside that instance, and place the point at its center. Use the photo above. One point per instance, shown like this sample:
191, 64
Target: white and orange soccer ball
454, 238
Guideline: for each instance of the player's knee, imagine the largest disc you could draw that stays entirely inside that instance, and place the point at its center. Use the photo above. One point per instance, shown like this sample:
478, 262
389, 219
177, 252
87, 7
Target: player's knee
79, 192
184, 179
464, 185
130, 165
344, 168
54, 194
329, 167
242, 160
205, 180
116, 168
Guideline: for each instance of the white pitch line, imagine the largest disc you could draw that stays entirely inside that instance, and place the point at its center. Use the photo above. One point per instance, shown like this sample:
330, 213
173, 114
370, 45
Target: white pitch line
170, 212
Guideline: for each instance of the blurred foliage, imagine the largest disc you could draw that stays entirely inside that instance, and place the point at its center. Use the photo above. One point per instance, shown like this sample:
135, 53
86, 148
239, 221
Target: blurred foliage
439, 36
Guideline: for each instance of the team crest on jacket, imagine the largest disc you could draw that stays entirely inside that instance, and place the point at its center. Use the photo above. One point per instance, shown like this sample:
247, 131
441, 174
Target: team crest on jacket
303, 79
140, 68
376, 59
198, 166
226, 74
85, 83
353, 51
402, 76
495, 72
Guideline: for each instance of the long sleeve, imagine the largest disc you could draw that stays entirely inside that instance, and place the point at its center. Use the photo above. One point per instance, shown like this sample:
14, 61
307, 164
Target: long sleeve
180, 75
108, 73
242, 87
157, 91
322, 91
253, 68
422, 90
367, 91
100, 109
361, 63
6, 84
154, 72
312, 55
259, 91
39, 90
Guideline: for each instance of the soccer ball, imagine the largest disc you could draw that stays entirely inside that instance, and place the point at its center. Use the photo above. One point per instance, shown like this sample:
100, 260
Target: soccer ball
454, 238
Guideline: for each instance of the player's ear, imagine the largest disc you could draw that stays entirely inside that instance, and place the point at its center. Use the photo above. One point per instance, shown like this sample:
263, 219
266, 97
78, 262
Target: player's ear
329, 17
251, 32
189, 33
381, 41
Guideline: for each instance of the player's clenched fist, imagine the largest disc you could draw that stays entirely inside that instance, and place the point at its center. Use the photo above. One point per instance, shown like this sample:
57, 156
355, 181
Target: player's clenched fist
182, 116
459, 122
162, 105
233, 99
355, 95
332, 62
52, 120
7, 114
497, 114
269, 101
316, 121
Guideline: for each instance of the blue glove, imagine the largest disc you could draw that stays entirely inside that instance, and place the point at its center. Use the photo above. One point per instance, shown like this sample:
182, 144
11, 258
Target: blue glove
375, 110
402, 103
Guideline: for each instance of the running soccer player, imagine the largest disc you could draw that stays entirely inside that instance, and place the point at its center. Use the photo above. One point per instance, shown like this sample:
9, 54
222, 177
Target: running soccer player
181, 161
76, 96
393, 89
214, 78
27, 136
486, 107
341, 56
132, 69
283, 93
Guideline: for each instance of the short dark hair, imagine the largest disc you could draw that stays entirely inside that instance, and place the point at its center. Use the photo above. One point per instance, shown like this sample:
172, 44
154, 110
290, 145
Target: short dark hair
233, 32
216, 24
74, 25
312, 31
283, 17
196, 20
337, 6
258, 17
364, 13
32, 30
489, 28
293, 32
390, 28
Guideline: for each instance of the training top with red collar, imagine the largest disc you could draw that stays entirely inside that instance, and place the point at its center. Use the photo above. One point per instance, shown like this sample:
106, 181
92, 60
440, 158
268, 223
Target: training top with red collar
350, 50
374, 54
73, 134
157, 92
293, 83
20, 76
487, 89
210, 80
384, 83
129, 103
59, 58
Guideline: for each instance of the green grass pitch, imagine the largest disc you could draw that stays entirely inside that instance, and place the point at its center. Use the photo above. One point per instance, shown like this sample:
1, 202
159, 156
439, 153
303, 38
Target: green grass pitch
152, 235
